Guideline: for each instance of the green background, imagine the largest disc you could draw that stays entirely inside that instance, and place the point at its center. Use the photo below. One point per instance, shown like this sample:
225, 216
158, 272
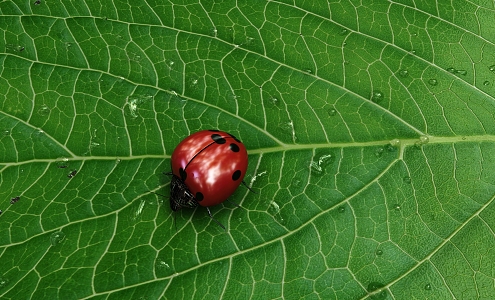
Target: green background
370, 127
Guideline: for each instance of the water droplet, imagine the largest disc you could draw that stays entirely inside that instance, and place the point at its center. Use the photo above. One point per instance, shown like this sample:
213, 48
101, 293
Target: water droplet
391, 148
57, 238
379, 152
461, 72
296, 182
376, 291
3, 282
377, 96
403, 73
343, 31
332, 112
214, 31
15, 199
395, 142
6, 132
72, 174
62, 162
161, 264
486, 83
44, 110
309, 71
117, 161
14, 48
424, 139
318, 166
433, 82
255, 177
406, 179
492, 68
379, 252
288, 127
275, 206
397, 206
170, 63
274, 101
139, 210
341, 209
249, 40
68, 45
451, 70
428, 287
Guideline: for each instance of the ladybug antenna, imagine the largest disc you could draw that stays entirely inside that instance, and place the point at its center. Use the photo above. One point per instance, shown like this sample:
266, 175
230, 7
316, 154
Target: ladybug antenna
243, 182
209, 213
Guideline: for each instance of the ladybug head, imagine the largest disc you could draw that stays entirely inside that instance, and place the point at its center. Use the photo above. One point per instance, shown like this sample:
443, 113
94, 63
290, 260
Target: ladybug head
180, 196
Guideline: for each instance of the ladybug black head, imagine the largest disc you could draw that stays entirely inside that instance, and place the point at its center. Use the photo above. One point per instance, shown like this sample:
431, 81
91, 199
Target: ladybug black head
180, 196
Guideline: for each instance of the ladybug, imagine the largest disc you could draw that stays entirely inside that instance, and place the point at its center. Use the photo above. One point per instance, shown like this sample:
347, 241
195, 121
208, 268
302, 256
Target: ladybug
207, 167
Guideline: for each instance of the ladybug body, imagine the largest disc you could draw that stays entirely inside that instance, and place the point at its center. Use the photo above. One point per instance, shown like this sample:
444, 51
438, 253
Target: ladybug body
207, 167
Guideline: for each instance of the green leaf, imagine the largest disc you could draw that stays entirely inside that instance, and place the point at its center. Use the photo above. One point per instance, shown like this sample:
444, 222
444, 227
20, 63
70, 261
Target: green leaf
370, 127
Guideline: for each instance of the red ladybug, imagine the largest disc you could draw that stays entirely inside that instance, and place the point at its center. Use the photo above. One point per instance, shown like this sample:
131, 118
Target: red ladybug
207, 167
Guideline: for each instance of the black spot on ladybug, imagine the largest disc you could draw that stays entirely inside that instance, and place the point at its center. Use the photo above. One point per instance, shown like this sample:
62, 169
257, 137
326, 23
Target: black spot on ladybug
199, 196
236, 175
218, 139
236, 139
234, 148
183, 174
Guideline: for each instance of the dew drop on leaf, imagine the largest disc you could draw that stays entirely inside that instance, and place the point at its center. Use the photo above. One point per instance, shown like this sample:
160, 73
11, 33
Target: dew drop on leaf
428, 287
379, 252
6, 132
161, 264
341, 209
343, 31
395, 142
377, 96
3, 282
403, 73
451, 70
461, 72
376, 291
57, 238
72, 174
332, 112
492, 68
15, 199
379, 152
424, 139
44, 111
433, 82
486, 83
318, 165
275, 207
309, 71
397, 207
62, 162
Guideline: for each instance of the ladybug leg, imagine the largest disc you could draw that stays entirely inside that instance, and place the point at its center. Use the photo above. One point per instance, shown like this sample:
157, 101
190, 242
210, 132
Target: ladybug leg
243, 182
235, 203
209, 213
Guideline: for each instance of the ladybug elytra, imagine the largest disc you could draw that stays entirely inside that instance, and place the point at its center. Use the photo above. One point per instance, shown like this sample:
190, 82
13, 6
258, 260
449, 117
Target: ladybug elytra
207, 167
